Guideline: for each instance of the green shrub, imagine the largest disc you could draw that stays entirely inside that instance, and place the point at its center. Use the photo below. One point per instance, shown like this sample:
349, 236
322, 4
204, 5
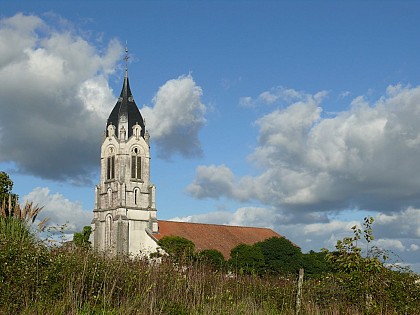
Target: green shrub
247, 259
178, 248
369, 285
212, 258
81, 239
280, 255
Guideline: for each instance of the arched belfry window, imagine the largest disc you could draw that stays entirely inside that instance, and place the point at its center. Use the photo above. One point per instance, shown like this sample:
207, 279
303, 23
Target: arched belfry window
135, 164
110, 164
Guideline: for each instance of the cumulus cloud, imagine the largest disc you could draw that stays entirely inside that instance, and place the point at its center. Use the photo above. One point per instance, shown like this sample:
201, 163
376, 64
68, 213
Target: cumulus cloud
402, 224
307, 235
59, 210
213, 181
176, 117
364, 157
55, 99
390, 244
246, 216
402, 246
53, 88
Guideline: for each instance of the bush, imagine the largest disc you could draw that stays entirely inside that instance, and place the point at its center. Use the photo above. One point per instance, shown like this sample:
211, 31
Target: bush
280, 255
81, 239
247, 259
316, 264
370, 285
212, 258
178, 248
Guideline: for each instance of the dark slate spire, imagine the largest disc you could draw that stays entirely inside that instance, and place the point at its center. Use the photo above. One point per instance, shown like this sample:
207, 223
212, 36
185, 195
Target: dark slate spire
126, 108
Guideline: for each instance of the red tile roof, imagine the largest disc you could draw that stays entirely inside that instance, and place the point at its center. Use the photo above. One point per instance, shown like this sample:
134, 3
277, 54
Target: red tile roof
211, 236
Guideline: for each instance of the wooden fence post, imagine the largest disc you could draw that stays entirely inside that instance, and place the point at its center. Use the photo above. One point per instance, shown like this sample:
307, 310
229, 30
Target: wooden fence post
299, 291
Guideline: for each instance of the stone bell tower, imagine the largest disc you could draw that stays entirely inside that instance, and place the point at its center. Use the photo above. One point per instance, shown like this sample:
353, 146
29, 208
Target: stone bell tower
124, 218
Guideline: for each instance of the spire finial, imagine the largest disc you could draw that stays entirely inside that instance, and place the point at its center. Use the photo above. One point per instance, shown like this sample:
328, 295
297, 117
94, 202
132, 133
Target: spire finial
126, 59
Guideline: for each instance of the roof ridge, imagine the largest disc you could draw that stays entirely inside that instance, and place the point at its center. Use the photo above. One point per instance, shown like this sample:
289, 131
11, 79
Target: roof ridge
227, 225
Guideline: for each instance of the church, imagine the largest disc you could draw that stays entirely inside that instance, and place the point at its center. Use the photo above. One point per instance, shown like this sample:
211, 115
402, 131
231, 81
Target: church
124, 216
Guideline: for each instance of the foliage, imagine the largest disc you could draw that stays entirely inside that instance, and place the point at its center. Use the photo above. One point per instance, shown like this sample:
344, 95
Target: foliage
368, 282
6, 195
81, 239
36, 279
277, 255
6, 185
178, 248
12, 212
212, 258
316, 264
280, 255
247, 259
39, 279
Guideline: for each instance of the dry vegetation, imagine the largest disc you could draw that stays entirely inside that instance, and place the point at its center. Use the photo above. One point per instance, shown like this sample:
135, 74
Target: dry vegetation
36, 278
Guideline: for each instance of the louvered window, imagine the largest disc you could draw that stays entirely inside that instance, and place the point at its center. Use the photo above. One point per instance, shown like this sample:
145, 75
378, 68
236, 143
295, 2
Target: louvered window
110, 167
135, 167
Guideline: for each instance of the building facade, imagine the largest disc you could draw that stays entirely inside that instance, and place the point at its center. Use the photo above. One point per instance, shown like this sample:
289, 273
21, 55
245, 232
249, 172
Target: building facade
124, 217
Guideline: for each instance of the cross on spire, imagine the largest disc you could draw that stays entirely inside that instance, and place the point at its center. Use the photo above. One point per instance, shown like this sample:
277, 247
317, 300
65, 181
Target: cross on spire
126, 58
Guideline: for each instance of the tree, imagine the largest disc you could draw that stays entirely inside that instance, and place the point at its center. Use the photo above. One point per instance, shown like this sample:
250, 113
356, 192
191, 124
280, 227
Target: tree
348, 255
178, 248
6, 195
247, 258
365, 275
212, 257
81, 239
280, 255
315, 263
15, 220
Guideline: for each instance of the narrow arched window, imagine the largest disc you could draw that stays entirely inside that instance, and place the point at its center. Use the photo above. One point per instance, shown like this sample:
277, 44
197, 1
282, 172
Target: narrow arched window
135, 164
109, 193
110, 164
136, 196
108, 222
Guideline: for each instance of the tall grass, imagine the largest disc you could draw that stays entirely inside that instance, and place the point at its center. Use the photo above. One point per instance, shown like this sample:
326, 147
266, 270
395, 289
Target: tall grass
40, 279
82, 282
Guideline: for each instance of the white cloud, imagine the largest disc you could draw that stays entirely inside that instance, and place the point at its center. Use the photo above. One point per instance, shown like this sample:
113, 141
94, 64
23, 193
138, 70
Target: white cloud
402, 224
217, 217
176, 117
272, 96
414, 247
328, 228
310, 166
390, 244
314, 236
56, 98
268, 97
219, 180
364, 157
59, 210
53, 86
246, 216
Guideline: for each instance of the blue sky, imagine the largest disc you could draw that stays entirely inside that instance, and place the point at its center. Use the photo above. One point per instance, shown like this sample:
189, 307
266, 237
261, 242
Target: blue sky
295, 115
